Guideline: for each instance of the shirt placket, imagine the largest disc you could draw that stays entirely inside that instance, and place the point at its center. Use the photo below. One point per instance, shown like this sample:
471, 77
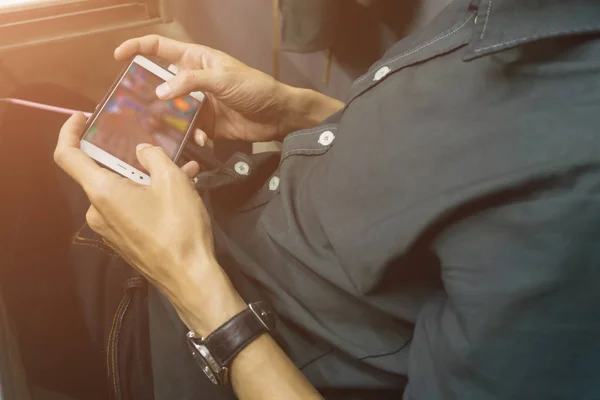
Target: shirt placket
309, 142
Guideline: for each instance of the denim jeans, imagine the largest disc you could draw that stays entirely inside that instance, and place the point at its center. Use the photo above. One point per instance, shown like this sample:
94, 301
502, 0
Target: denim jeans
80, 313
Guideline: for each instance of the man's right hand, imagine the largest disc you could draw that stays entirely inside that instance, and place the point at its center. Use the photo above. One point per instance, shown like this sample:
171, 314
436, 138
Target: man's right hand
242, 103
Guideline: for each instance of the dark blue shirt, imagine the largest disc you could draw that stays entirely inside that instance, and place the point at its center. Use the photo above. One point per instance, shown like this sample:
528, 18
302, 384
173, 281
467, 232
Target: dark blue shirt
442, 232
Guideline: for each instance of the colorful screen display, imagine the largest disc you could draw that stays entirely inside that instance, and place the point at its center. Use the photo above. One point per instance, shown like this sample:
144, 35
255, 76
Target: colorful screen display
133, 115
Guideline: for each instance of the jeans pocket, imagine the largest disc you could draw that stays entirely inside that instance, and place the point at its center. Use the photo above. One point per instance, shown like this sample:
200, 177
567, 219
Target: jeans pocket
85, 236
128, 359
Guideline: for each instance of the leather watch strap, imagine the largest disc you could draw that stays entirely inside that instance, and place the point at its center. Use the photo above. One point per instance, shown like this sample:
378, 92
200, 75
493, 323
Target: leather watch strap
229, 339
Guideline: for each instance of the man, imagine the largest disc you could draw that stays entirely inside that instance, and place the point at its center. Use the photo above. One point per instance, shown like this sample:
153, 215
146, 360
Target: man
438, 235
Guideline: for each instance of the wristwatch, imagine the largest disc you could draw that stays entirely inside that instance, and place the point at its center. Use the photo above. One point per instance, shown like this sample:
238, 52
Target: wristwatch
215, 352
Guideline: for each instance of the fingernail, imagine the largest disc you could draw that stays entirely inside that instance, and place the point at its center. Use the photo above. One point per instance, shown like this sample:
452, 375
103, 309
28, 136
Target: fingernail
142, 146
200, 138
163, 90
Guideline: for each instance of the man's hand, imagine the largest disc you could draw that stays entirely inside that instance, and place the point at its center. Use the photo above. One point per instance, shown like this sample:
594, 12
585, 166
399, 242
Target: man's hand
242, 102
162, 230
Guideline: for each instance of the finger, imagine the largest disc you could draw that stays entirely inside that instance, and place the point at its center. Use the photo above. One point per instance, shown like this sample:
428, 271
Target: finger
191, 169
71, 159
95, 220
71, 131
200, 137
152, 45
188, 81
156, 161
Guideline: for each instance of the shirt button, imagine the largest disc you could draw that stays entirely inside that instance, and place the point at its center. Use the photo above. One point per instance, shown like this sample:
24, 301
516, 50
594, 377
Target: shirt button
273, 183
326, 138
241, 168
381, 73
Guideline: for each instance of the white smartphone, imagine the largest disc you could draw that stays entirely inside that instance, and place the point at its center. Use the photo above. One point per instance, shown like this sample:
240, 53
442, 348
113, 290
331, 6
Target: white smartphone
131, 114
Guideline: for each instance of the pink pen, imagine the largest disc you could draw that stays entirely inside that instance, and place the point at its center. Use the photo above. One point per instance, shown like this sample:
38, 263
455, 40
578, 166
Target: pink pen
46, 107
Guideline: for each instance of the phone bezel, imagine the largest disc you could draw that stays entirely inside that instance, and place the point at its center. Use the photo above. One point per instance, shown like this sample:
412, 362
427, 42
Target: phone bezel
108, 160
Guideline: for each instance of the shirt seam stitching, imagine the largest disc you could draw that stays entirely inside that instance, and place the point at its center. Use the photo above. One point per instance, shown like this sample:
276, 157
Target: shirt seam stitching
312, 131
443, 35
538, 36
487, 18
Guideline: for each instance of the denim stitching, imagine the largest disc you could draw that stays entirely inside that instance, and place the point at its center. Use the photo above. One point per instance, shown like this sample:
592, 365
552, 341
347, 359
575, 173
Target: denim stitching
487, 18
110, 354
83, 239
98, 247
436, 39
109, 348
311, 151
310, 133
116, 347
316, 130
535, 37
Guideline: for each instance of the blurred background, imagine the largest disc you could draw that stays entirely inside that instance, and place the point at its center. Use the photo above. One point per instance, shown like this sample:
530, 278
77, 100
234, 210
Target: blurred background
66, 46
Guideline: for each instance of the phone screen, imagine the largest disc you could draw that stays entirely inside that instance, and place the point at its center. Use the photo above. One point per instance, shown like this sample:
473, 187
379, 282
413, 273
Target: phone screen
133, 115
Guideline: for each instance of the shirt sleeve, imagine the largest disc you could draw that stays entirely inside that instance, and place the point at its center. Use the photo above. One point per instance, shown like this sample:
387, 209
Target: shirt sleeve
521, 319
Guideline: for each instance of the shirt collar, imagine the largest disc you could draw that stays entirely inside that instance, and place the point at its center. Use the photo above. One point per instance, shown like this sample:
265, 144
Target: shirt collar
502, 24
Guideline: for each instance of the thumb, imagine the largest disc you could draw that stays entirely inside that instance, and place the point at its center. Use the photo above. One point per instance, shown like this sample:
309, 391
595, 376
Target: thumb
154, 159
188, 81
